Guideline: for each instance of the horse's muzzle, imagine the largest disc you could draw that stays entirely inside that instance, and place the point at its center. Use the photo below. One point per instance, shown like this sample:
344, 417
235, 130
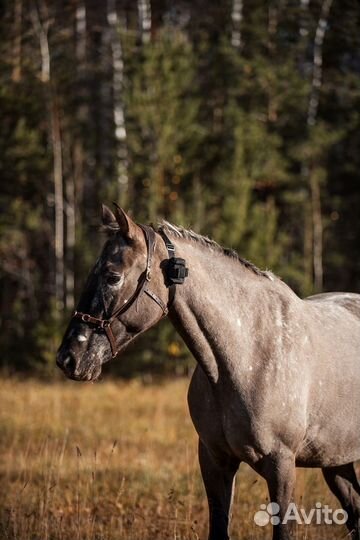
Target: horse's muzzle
68, 362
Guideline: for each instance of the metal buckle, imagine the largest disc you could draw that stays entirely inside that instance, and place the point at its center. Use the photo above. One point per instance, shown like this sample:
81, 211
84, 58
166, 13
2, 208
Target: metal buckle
85, 317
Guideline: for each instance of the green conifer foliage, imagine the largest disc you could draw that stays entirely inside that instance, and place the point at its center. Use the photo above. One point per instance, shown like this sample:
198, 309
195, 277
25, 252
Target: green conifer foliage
253, 141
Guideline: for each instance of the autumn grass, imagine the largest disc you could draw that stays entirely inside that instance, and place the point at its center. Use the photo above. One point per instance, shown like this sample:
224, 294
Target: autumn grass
116, 461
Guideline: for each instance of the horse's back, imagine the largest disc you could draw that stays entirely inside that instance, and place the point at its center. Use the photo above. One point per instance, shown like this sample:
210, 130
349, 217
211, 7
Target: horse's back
350, 301
332, 436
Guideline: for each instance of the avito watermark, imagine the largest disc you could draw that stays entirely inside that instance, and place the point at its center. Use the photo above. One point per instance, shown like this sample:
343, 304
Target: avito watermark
321, 514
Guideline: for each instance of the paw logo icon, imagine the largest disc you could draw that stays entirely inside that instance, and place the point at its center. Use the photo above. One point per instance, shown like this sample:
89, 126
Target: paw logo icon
267, 514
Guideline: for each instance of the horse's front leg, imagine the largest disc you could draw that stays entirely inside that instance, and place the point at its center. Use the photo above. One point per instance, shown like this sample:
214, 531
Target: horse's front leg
279, 472
218, 473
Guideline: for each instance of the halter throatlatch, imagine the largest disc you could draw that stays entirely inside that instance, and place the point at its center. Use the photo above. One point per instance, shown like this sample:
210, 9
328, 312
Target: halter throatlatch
176, 272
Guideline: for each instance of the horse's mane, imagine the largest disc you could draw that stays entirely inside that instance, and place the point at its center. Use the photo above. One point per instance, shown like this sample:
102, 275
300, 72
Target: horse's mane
188, 234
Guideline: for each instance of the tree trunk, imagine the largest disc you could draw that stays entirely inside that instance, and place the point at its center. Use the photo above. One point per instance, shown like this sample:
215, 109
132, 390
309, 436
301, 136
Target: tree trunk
317, 232
70, 243
41, 26
59, 200
317, 63
236, 16
80, 16
308, 168
82, 111
16, 72
304, 7
308, 249
272, 30
144, 11
118, 104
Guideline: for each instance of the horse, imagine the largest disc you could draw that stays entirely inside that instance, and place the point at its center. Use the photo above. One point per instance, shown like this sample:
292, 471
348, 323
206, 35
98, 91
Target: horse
277, 382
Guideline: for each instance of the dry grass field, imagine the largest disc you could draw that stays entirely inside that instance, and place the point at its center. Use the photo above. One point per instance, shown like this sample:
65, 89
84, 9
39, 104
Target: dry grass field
113, 461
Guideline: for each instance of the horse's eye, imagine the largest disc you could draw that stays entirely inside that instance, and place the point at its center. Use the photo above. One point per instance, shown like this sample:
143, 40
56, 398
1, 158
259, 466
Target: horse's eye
113, 279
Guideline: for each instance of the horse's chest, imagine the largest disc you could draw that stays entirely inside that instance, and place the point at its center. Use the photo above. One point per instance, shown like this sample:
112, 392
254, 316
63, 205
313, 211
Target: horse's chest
221, 428
226, 422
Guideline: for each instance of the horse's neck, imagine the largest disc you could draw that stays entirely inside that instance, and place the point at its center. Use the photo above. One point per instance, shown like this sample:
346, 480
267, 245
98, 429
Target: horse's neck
218, 307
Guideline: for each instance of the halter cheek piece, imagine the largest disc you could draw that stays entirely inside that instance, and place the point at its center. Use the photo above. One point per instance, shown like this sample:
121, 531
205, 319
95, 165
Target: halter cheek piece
175, 274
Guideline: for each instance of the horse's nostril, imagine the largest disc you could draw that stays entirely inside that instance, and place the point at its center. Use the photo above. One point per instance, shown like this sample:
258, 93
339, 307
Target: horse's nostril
67, 362
70, 364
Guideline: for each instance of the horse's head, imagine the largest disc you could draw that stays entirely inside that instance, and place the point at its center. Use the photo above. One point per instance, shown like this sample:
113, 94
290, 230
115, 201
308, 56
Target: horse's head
125, 294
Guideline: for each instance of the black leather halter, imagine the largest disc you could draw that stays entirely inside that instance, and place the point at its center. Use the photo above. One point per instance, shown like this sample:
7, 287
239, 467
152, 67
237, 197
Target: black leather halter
176, 272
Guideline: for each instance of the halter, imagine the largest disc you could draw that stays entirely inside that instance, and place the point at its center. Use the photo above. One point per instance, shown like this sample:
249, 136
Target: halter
176, 272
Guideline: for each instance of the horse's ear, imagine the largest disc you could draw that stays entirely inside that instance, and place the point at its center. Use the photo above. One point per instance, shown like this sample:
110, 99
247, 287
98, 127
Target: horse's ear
108, 218
127, 227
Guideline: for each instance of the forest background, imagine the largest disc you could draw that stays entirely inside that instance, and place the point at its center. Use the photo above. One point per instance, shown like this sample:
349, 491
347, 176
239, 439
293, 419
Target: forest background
239, 119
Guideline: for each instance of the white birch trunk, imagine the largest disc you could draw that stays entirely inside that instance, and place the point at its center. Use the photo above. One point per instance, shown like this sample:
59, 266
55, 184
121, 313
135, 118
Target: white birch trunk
82, 108
80, 18
312, 113
118, 103
144, 11
236, 17
303, 30
41, 26
317, 63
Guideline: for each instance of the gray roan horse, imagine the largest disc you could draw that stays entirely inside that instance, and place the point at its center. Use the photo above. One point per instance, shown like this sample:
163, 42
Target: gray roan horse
278, 378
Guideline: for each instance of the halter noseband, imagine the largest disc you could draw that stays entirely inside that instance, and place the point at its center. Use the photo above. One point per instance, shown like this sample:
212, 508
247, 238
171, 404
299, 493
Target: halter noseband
176, 272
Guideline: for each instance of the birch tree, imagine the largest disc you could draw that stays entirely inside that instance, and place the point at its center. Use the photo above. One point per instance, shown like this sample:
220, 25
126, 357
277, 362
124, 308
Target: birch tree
74, 180
41, 23
236, 17
118, 102
82, 111
312, 114
144, 13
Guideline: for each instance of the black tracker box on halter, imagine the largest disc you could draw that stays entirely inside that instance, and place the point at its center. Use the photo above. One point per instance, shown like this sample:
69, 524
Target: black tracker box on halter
176, 270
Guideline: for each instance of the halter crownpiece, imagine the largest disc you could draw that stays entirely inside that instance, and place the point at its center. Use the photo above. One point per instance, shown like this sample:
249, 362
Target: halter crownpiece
176, 272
